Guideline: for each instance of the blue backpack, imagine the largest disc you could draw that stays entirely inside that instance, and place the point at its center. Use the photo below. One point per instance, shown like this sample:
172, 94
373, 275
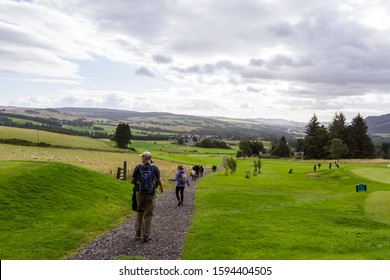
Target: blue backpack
147, 178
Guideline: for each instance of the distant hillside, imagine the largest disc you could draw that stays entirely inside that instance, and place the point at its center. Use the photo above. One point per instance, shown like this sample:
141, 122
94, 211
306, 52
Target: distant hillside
111, 114
222, 126
152, 123
379, 124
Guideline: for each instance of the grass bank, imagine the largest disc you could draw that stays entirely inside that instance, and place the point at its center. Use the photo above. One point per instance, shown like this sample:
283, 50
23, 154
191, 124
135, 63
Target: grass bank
48, 210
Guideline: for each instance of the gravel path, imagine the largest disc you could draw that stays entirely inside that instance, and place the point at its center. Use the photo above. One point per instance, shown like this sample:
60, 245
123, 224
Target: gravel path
169, 226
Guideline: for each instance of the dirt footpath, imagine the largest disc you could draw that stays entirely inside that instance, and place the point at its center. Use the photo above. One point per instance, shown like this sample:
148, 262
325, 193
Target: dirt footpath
169, 226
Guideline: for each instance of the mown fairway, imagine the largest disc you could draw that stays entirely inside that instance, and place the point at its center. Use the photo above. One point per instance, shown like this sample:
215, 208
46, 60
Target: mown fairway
277, 215
48, 210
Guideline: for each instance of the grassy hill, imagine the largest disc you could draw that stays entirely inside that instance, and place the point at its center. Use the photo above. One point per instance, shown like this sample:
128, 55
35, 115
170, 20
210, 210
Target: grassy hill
48, 210
55, 139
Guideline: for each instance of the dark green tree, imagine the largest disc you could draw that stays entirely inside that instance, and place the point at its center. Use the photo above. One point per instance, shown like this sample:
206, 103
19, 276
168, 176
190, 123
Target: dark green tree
282, 149
245, 148
338, 149
338, 127
122, 135
257, 147
315, 145
312, 126
385, 150
249, 148
361, 144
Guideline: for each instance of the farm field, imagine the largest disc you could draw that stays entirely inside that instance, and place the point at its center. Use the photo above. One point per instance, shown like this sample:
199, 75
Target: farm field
302, 215
55, 139
94, 154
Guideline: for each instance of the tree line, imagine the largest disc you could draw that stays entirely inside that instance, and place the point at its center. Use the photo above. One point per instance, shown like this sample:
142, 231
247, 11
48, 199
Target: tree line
339, 141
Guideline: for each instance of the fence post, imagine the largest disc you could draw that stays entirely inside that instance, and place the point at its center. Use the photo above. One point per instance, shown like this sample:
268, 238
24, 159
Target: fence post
124, 170
118, 173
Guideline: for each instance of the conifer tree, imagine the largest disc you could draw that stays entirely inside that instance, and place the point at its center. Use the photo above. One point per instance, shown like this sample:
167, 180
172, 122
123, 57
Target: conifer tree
122, 135
338, 127
282, 149
315, 144
361, 144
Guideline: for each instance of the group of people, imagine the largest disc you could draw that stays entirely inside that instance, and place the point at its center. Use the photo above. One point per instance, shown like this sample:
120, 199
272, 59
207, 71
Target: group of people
330, 166
146, 178
197, 171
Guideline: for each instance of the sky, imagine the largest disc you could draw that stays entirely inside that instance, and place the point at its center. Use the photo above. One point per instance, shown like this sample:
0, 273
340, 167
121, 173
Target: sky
272, 59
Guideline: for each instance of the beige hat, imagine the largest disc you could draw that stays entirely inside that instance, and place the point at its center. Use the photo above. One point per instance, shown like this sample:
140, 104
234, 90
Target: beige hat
146, 154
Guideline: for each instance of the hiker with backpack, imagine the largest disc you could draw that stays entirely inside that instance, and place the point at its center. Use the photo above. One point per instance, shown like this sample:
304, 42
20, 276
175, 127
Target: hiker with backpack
181, 181
146, 178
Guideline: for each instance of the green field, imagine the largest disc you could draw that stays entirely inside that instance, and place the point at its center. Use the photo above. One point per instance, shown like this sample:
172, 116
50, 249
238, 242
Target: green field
48, 210
277, 215
55, 139
165, 150
22, 121
376, 174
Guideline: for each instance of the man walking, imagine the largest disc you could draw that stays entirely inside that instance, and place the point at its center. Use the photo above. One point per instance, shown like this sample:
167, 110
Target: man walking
146, 177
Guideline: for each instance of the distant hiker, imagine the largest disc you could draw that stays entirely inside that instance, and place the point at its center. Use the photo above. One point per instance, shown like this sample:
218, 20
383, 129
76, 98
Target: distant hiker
193, 174
319, 166
337, 165
201, 171
146, 178
290, 171
315, 167
330, 165
196, 168
214, 168
181, 181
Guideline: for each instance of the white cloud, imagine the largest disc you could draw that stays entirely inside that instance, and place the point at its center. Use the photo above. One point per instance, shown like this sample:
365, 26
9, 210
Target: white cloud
298, 56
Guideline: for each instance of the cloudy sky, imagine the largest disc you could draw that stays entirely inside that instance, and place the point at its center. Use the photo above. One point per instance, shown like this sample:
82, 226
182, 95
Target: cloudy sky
240, 58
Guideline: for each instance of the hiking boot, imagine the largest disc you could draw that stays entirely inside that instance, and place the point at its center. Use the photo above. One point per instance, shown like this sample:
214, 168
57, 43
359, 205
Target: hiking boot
179, 203
137, 236
146, 238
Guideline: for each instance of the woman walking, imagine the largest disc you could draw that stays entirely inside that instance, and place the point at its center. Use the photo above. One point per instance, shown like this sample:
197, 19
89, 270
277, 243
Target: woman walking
181, 181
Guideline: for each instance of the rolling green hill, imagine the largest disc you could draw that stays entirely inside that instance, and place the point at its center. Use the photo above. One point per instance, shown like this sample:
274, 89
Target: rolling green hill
48, 210
55, 139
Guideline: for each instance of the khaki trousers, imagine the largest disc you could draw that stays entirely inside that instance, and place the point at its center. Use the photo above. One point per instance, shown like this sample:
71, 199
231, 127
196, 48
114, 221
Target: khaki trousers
145, 208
